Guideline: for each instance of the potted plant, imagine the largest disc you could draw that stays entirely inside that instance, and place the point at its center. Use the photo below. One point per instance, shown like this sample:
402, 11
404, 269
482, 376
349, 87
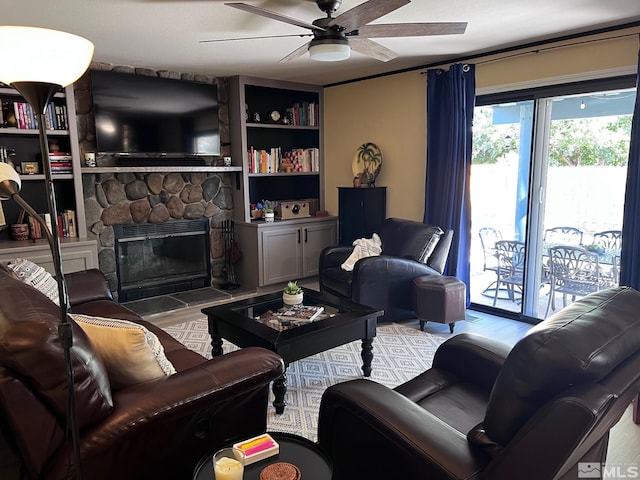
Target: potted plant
292, 294
268, 207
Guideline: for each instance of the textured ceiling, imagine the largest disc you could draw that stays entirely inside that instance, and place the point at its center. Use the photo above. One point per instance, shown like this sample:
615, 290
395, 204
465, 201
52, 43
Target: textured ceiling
166, 34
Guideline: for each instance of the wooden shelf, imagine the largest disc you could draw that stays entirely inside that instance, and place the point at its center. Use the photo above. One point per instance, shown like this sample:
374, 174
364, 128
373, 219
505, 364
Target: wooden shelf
31, 131
282, 126
281, 174
54, 176
151, 169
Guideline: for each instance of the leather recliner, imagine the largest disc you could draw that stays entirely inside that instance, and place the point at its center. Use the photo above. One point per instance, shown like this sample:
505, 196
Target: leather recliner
542, 410
385, 282
156, 429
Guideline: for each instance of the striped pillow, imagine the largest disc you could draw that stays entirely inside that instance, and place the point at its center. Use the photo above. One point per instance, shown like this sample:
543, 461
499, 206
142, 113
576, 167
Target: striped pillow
37, 277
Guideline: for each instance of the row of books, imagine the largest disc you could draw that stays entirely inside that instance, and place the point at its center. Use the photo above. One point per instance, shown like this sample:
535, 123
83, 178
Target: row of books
20, 115
274, 160
61, 162
304, 114
66, 225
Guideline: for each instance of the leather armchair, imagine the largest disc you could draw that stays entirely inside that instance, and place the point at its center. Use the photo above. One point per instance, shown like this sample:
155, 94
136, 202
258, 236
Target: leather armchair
485, 411
157, 429
385, 282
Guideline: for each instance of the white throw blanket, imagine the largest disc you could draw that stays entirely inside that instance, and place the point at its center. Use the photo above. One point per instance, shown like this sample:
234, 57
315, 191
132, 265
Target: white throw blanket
363, 247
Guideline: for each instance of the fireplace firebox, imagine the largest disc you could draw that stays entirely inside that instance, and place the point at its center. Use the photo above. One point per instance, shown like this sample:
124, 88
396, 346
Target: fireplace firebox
160, 258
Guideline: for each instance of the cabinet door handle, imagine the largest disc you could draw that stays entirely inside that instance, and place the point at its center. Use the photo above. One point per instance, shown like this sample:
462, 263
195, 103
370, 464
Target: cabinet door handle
298, 235
306, 236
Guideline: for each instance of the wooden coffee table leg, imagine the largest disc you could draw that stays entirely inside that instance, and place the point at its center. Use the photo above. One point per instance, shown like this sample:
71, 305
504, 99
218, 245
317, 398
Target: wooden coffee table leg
367, 356
216, 346
279, 390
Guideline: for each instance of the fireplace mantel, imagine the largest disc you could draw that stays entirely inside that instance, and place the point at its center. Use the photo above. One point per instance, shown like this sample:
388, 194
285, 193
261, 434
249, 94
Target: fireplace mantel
151, 169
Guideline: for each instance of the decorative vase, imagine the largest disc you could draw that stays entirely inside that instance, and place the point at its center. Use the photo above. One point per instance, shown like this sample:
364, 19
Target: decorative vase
289, 299
269, 216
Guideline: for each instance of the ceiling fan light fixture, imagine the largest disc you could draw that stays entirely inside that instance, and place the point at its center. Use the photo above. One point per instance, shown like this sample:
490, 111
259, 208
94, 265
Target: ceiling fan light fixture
329, 49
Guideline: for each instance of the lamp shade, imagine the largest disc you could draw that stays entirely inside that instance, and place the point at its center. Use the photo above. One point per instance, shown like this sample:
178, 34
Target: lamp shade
9, 181
32, 54
332, 50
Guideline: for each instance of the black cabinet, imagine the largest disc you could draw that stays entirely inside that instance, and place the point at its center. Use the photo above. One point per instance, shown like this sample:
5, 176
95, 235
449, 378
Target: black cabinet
361, 212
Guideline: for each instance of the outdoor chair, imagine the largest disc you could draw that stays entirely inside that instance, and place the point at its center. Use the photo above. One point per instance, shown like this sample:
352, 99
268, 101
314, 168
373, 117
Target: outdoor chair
510, 255
488, 238
563, 236
608, 239
574, 271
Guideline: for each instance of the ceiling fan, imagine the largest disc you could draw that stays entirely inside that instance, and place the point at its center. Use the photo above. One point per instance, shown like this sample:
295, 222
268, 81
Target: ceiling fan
335, 37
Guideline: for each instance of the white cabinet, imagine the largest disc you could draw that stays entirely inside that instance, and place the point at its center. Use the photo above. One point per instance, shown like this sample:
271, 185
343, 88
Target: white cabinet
77, 254
281, 251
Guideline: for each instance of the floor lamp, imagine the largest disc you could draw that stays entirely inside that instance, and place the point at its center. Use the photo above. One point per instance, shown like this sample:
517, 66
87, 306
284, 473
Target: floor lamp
39, 62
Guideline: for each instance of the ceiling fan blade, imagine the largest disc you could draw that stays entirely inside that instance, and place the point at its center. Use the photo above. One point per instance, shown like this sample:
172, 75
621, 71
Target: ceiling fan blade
411, 29
298, 52
213, 40
273, 15
366, 12
372, 49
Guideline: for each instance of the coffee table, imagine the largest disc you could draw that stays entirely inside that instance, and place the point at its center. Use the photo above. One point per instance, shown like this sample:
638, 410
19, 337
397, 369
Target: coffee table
341, 322
310, 459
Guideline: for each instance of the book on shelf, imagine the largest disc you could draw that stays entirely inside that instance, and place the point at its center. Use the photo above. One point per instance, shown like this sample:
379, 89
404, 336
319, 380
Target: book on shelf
300, 313
66, 225
61, 162
271, 161
304, 114
55, 117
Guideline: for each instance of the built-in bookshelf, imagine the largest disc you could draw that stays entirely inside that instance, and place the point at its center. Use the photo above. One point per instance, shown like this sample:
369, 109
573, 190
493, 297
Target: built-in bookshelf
20, 145
276, 132
276, 137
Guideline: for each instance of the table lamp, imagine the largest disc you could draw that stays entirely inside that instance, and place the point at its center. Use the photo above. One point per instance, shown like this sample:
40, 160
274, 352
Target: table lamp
39, 62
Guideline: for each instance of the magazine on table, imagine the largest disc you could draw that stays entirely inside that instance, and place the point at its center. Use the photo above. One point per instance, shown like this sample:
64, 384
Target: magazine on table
300, 313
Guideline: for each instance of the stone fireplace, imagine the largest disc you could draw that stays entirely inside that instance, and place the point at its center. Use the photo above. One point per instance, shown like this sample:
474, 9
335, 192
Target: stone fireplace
137, 198
119, 196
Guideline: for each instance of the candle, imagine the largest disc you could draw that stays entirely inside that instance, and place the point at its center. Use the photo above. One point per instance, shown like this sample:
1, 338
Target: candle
228, 469
228, 464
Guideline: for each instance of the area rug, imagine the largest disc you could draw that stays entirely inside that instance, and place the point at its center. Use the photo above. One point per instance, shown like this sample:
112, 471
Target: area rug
400, 352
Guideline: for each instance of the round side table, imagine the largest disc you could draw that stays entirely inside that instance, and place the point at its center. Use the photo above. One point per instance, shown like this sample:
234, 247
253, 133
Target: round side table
310, 459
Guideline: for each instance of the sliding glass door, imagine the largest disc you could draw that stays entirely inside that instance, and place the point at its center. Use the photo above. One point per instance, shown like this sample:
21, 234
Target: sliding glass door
547, 193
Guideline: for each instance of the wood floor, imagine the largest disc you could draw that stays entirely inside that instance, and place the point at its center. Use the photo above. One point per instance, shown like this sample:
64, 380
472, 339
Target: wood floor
624, 444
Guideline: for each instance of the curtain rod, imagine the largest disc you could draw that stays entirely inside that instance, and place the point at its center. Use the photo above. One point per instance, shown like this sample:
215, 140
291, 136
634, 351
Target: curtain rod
590, 33
533, 51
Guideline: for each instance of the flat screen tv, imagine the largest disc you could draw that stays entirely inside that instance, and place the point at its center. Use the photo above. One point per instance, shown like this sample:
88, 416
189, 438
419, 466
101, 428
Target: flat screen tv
144, 116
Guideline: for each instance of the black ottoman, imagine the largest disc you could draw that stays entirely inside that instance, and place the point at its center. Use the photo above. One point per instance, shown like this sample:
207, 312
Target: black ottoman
438, 298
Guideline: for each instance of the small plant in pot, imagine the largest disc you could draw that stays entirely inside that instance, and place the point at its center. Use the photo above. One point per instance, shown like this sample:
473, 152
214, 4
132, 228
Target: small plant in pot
292, 294
268, 207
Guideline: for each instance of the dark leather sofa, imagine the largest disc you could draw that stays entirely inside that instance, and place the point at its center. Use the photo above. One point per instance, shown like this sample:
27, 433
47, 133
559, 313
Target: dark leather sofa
385, 282
484, 411
157, 429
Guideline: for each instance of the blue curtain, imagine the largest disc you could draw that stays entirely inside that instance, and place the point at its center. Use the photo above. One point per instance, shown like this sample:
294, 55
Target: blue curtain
450, 104
630, 255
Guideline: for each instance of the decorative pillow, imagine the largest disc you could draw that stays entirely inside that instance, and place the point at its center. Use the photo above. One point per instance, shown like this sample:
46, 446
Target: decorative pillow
37, 277
431, 245
130, 352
